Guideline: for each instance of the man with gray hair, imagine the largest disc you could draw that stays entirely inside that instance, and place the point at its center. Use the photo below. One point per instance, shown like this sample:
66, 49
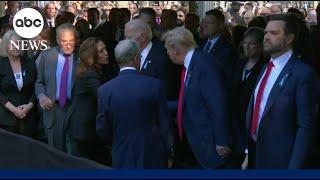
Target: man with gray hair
154, 59
203, 127
132, 114
55, 77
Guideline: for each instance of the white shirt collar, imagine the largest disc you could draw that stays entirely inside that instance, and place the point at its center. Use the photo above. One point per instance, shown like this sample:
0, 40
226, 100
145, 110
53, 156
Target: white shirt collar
145, 53
187, 59
213, 41
127, 68
146, 50
282, 60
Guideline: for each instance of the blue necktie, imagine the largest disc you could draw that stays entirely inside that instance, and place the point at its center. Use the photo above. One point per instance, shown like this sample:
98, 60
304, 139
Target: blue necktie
207, 47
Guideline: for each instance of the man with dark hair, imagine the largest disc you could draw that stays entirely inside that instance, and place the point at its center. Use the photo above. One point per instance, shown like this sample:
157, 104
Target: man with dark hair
217, 44
149, 16
282, 113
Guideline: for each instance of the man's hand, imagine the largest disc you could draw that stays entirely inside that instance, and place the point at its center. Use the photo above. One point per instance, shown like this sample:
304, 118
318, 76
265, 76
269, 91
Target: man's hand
223, 151
45, 102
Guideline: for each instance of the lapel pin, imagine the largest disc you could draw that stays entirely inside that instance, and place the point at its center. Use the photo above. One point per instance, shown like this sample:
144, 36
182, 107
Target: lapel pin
283, 80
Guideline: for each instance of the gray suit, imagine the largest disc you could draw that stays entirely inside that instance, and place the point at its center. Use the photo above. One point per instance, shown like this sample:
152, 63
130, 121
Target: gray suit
46, 84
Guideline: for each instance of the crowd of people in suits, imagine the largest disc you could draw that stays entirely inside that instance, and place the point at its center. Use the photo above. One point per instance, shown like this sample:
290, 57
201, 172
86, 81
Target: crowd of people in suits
132, 92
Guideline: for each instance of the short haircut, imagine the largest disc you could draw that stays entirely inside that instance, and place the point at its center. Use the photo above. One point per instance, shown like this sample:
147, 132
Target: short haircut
138, 25
148, 11
93, 10
179, 37
296, 11
217, 14
184, 10
256, 33
290, 25
5, 42
125, 51
258, 21
63, 27
249, 4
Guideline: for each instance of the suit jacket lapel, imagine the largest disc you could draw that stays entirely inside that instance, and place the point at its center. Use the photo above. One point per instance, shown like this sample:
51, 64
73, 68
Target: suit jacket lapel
147, 62
53, 60
74, 68
251, 103
188, 76
279, 85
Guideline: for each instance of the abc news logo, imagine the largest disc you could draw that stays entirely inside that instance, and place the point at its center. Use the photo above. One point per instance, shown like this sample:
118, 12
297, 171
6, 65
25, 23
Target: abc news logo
28, 23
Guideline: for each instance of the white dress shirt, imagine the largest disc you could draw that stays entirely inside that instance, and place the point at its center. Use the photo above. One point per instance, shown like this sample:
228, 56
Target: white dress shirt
145, 53
279, 63
187, 61
52, 22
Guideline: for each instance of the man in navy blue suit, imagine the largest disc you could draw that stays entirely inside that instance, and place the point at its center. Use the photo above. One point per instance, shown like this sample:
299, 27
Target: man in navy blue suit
133, 116
155, 61
203, 125
282, 113
218, 45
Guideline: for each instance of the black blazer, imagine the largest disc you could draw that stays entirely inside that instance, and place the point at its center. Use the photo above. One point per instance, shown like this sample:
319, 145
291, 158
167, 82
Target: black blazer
242, 91
81, 116
224, 52
158, 64
10, 92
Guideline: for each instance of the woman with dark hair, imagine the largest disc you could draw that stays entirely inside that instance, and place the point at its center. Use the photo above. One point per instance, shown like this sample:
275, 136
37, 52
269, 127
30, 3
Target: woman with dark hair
192, 23
81, 117
247, 72
17, 79
83, 30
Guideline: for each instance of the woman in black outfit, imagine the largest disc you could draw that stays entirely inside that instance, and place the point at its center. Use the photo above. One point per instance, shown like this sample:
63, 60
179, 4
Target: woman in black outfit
81, 117
247, 72
17, 78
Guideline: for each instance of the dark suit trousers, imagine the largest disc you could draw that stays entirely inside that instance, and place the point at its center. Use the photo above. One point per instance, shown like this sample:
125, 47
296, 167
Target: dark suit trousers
251, 154
57, 135
185, 159
96, 151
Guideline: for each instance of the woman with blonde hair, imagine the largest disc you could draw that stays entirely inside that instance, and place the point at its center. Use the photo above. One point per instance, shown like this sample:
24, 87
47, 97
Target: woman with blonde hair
17, 78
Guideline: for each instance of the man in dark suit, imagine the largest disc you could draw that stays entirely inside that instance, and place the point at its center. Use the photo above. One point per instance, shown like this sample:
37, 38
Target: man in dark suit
6, 22
154, 60
202, 107
55, 76
104, 30
282, 113
217, 44
133, 116
49, 15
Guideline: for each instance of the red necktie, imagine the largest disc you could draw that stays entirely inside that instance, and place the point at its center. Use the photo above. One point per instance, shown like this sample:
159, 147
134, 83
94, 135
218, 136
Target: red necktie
258, 100
180, 105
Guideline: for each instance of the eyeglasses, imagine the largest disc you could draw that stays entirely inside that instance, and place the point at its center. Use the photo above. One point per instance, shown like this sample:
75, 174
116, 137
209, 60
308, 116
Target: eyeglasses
65, 43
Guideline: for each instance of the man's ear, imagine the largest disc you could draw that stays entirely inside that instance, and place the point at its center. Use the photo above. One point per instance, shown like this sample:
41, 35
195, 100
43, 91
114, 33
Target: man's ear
290, 38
